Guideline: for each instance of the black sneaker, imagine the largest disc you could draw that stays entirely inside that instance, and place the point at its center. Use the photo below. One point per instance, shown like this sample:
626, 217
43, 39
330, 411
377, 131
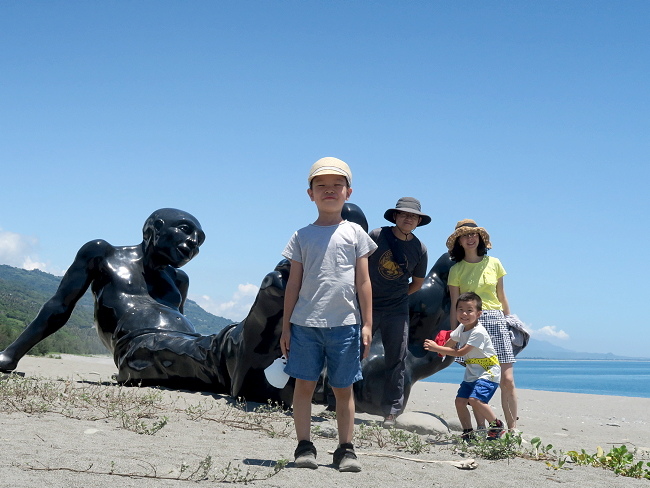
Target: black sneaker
346, 459
305, 455
389, 421
495, 430
468, 436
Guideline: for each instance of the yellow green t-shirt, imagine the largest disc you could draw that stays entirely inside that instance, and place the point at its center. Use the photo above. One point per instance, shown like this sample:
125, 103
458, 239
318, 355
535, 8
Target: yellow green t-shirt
481, 278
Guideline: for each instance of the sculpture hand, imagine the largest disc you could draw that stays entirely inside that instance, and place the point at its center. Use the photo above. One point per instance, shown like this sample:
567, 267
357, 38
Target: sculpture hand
7, 362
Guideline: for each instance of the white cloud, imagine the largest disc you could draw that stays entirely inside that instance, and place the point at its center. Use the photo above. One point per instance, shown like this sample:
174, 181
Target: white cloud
548, 332
236, 308
20, 251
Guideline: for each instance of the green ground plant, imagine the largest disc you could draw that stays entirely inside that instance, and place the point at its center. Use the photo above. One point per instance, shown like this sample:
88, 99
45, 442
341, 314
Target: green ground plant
507, 447
373, 434
618, 459
271, 418
141, 410
138, 410
204, 470
135, 409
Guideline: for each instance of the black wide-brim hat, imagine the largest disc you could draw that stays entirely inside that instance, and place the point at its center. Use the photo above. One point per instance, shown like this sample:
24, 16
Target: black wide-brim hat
408, 205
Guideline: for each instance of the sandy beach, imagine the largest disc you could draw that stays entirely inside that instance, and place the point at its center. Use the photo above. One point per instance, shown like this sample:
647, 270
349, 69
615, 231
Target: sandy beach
68, 449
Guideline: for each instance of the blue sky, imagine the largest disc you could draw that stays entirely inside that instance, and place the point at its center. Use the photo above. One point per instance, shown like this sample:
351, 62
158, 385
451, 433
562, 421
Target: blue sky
530, 117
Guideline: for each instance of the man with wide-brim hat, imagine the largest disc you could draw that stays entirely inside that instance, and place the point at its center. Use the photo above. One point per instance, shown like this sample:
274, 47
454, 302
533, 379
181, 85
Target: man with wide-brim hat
397, 269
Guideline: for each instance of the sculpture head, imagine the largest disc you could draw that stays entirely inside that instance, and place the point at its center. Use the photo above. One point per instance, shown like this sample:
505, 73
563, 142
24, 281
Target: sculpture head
353, 213
172, 237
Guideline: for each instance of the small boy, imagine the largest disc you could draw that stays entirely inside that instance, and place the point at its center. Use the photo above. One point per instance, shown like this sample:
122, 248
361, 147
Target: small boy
482, 373
329, 270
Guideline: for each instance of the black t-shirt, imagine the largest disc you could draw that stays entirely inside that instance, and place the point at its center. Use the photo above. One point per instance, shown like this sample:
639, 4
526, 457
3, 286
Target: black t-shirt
390, 283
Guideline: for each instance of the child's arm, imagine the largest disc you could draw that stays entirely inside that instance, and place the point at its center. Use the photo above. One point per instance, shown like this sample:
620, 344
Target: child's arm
364, 292
290, 298
449, 349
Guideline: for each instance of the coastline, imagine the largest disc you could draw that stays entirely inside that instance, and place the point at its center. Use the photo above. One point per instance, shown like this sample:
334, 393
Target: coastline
598, 377
622, 360
81, 452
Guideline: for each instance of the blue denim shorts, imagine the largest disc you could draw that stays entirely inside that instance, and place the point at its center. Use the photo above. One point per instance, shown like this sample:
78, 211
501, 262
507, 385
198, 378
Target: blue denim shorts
480, 389
314, 348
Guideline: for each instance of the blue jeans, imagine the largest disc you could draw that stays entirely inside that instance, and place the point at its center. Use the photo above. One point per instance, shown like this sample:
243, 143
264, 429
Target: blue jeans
337, 348
480, 389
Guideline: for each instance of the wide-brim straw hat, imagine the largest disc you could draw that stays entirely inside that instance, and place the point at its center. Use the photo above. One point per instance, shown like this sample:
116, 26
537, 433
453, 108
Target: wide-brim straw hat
408, 205
468, 226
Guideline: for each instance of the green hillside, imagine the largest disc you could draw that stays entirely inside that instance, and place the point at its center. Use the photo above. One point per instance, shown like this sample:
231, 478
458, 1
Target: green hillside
22, 293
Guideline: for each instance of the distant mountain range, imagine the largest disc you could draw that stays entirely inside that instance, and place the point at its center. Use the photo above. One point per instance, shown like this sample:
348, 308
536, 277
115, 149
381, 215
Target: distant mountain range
23, 293
545, 350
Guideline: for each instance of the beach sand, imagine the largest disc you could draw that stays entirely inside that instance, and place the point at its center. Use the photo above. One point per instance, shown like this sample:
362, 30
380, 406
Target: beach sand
53, 450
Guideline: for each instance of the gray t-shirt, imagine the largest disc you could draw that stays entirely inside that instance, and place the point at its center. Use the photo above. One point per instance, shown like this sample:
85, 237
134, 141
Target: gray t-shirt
328, 255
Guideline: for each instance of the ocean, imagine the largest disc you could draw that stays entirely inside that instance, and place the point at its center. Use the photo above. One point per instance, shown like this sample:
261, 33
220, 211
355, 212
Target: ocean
618, 378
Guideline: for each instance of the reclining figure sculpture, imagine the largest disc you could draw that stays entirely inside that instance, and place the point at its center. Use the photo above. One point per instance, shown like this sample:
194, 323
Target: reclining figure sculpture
139, 294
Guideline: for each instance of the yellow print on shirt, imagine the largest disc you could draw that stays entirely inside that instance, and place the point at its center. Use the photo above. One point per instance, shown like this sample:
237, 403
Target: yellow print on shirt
487, 363
388, 268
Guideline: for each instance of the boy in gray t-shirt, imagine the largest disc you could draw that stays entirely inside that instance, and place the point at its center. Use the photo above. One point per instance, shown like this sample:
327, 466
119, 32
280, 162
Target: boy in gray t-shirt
321, 322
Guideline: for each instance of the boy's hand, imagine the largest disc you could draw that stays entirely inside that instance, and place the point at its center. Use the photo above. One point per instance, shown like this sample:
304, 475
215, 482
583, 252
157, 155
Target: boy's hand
366, 339
430, 345
285, 340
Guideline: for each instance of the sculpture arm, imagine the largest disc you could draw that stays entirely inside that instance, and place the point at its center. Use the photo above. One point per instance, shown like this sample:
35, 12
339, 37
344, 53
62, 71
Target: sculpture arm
290, 299
183, 284
501, 295
454, 293
57, 310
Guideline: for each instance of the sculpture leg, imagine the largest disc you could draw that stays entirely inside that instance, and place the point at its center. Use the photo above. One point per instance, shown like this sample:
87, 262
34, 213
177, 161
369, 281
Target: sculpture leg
169, 358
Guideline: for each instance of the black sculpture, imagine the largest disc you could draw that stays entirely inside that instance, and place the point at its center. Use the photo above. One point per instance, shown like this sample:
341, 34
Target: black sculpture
139, 296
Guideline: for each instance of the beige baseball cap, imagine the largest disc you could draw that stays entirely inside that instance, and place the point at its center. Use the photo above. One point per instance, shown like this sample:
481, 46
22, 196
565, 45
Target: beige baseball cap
330, 166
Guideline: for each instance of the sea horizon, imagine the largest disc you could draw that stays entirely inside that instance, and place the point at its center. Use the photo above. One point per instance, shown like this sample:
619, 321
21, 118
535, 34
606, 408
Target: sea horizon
611, 377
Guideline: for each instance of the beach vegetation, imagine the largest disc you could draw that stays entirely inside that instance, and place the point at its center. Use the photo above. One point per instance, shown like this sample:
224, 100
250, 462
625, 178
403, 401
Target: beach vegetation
373, 434
270, 418
507, 447
135, 409
204, 470
618, 459
146, 411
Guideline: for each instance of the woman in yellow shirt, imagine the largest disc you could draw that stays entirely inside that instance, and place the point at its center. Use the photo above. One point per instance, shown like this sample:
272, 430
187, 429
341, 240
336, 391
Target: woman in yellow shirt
476, 271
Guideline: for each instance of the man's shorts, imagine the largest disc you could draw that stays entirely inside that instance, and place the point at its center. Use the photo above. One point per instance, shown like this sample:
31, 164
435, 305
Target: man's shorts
479, 389
313, 348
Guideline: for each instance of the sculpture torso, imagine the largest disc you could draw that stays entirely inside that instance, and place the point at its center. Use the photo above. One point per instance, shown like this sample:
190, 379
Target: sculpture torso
130, 297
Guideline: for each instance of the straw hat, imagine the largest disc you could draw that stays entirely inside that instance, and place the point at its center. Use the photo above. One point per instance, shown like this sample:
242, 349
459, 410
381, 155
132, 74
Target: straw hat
468, 226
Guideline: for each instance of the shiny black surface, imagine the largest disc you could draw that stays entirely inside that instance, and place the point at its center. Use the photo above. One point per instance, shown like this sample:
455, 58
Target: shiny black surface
139, 296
